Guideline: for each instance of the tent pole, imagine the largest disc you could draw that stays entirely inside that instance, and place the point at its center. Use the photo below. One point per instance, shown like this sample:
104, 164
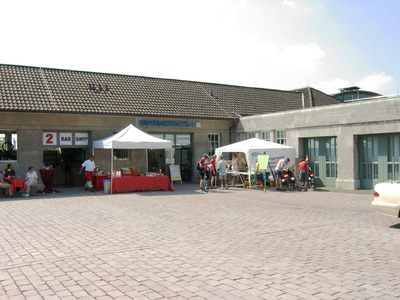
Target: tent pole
170, 163
112, 167
147, 161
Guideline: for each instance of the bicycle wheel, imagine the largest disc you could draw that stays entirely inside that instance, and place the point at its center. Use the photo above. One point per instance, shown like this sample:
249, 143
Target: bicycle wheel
206, 186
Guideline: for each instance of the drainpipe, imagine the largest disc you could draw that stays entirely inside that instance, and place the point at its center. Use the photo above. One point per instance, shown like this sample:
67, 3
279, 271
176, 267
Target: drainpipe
310, 96
231, 130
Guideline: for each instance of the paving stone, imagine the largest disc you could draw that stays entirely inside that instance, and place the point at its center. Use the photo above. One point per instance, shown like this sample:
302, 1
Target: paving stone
235, 244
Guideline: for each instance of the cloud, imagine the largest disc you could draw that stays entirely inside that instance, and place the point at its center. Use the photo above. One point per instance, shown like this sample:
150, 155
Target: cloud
302, 56
288, 3
376, 82
332, 86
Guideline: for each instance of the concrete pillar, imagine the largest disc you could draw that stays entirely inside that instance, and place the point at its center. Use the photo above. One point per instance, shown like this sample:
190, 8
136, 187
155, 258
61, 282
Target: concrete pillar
347, 160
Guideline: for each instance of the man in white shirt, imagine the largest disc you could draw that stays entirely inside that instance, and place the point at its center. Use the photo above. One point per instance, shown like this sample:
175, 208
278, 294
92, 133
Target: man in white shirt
222, 166
89, 167
278, 172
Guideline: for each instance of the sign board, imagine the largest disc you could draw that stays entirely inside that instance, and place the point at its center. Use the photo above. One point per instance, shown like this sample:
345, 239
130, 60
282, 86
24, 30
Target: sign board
263, 162
183, 139
175, 173
66, 138
49, 138
81, 138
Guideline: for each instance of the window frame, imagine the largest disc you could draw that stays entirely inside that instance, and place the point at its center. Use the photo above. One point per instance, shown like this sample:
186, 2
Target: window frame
281, 137
9, 136
213, 144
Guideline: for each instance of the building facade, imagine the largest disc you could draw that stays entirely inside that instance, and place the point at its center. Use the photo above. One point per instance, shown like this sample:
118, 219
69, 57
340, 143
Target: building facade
50, 117
350, 146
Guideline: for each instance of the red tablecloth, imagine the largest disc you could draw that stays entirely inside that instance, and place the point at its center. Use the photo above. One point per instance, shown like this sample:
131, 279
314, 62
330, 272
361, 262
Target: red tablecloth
98, 181
47, 176
17, 183
141, 183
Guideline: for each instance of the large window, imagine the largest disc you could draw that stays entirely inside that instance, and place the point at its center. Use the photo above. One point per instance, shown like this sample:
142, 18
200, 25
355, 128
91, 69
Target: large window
331, 164
393, 156
8, 145
213, 142
312, 151
369, 157
322, 159
281, 137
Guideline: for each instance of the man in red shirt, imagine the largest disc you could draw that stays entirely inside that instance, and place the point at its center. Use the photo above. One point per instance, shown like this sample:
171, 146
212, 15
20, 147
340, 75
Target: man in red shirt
203, 168
303, 166
213, 171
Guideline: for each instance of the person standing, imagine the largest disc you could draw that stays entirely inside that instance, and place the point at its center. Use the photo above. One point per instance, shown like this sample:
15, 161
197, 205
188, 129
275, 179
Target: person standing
278, 172
235, 168
303, 166
202, 168
213, 171
4, 184
89, 167
222, 166
242, 167
30, 180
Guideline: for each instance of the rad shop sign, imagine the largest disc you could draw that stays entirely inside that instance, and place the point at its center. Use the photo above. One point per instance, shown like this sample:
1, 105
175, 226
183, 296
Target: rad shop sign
66, 139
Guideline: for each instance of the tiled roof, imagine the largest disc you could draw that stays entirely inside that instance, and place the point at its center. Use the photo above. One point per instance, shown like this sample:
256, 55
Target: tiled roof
313, 97
34, 89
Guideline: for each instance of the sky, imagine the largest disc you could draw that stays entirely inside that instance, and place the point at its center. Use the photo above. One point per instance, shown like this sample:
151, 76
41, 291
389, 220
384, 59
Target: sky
274, 44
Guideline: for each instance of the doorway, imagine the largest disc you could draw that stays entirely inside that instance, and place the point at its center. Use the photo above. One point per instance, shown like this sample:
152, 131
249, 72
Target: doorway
66, 162
183, 158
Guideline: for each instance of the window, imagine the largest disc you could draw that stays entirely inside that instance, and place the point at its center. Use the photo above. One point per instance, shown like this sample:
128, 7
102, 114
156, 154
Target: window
312, 151
393, 155
251, 135
8, 145
369, 157
330, 155
121, 153
213, 142
265, 135
281, 137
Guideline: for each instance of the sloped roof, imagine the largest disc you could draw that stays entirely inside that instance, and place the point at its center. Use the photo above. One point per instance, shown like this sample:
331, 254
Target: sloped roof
314, 97
35, 89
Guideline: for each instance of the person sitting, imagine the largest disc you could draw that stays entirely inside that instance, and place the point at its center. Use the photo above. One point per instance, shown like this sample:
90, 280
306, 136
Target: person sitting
10, 173
30, 180
4, 184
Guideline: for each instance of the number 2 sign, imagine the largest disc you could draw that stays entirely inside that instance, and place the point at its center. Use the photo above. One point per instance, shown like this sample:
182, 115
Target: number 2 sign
49, 138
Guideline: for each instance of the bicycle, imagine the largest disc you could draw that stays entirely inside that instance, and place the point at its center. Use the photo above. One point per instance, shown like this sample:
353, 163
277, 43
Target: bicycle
206, 183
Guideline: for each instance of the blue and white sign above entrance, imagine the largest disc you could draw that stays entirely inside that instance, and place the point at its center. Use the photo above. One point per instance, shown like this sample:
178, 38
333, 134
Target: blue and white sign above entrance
158, 123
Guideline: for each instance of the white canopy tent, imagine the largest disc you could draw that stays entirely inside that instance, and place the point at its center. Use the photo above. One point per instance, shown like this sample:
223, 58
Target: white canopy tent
131, 138
254, 147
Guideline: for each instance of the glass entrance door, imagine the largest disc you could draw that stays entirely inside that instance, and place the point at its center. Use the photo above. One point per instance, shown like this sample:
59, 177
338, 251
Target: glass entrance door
183, 158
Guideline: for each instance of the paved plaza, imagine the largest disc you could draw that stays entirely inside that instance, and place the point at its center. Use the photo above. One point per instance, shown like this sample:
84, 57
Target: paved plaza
227, 244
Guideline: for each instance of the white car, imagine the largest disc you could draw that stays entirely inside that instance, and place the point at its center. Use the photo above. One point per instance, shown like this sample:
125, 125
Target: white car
387, 199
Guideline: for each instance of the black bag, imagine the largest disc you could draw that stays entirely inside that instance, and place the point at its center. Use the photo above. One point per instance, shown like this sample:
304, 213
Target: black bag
198, 166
